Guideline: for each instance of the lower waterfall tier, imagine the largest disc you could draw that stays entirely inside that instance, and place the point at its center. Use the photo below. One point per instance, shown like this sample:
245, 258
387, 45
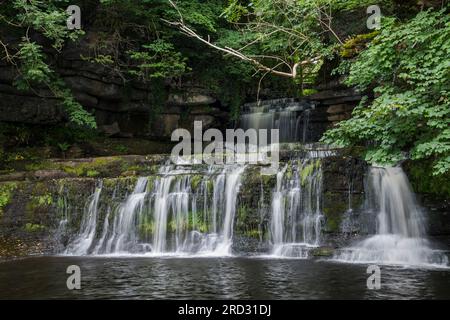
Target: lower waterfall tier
316, 206
181, 212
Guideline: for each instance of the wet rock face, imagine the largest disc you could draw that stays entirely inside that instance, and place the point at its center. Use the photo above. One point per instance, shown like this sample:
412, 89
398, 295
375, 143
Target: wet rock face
129, 107
438, 215
32, 214
29, 110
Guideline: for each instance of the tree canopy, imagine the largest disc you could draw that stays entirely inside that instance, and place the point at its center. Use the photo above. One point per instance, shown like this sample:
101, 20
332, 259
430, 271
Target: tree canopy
408, 67
405, 64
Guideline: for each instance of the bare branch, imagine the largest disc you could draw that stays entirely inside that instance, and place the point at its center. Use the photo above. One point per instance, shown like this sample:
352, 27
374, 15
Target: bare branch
8, 56
181, 25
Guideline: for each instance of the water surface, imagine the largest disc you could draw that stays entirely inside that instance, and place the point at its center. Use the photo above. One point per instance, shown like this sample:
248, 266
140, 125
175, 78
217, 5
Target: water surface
214, 278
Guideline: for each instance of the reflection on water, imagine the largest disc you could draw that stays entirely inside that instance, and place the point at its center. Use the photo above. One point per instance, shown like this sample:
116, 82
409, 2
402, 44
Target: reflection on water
214, 278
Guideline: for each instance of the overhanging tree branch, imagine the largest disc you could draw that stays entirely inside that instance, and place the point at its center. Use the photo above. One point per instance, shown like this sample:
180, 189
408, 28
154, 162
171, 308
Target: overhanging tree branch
181, 25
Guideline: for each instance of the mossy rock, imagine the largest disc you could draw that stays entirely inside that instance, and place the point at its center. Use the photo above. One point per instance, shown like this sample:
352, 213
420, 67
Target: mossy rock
422, 180
356, 44
6, 193
248, 221
322, 252
334, 207
31, 227
256, 234
195, 181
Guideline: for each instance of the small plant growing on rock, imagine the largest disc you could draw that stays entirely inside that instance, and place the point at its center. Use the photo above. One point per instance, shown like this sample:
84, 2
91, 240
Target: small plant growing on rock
63, 147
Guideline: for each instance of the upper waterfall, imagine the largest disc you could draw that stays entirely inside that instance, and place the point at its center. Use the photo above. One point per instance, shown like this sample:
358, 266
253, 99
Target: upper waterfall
289, 116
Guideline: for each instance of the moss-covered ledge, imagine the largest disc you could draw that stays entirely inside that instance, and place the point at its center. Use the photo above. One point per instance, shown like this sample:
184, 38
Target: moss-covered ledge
99, 167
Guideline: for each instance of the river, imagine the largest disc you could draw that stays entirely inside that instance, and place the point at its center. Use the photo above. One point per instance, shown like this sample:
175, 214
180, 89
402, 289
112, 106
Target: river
214, 278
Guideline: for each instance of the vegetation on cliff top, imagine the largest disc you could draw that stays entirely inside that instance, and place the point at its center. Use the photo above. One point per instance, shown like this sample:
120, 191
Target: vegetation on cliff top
408, 67
405, 65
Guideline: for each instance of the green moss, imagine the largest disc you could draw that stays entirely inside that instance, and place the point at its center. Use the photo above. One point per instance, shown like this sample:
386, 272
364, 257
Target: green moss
253, 233
151, 183
318, 163
322, 252
247, 222
172, 225
44, 200
78, 171
109, 182
146, 228
131, 167
267, 179
40, 188
355, 44
30, 227
423, 181
333, 212
6, 193
195, 181
38, 203
306, 172
92, 173
44, 165
333, 223
96, 167
195, 222
289, 171
242, 213
210, 187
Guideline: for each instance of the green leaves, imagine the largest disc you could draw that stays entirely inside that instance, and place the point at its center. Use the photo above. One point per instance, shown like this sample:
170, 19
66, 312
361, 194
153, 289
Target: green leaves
49, 20
32, 68
408, 66
159, 60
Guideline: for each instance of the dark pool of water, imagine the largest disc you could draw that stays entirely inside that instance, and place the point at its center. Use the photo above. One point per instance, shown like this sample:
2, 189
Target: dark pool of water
213, 278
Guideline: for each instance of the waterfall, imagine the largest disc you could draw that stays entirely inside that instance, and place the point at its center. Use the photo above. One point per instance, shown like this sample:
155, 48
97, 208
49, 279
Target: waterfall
84, 241
172, 215
296, 209
400, 235
289, 116
191, 210
231, 190
123, 237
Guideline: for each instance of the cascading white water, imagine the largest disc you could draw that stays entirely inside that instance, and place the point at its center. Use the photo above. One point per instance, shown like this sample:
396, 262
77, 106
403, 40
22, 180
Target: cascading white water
296, 215
165, 218
231, 190
84, 241
123, 237
289, 116
400, 238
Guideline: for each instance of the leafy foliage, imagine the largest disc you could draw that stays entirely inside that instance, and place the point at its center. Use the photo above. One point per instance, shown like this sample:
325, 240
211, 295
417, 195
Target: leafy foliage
159, 60
49, 20
408, 66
